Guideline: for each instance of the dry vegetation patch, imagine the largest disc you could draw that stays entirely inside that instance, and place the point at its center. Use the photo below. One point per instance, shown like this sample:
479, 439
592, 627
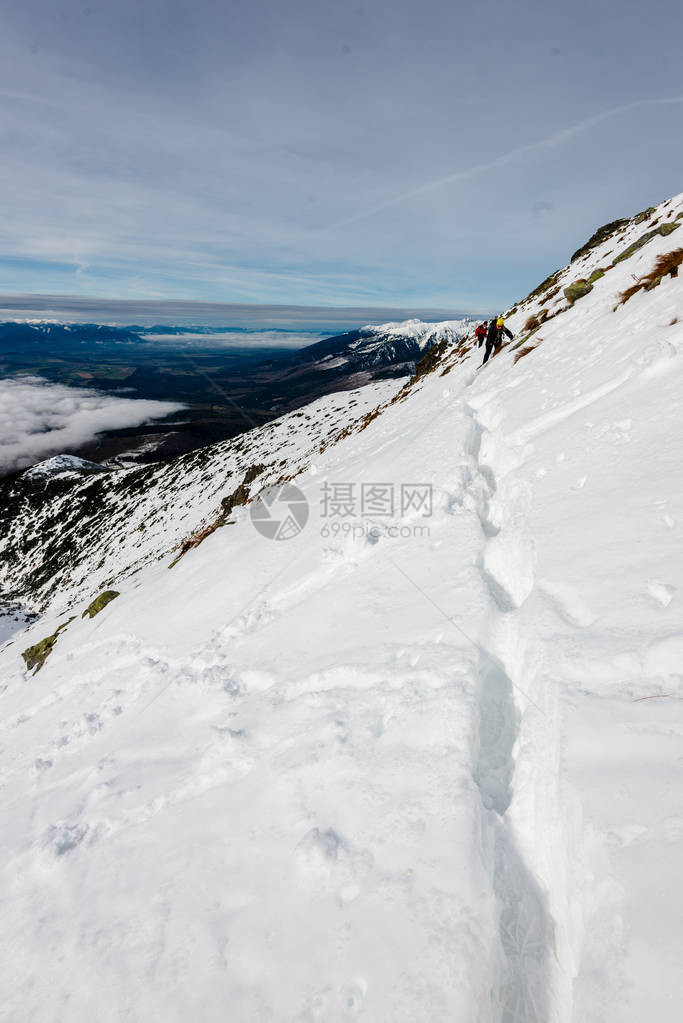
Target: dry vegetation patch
665, 265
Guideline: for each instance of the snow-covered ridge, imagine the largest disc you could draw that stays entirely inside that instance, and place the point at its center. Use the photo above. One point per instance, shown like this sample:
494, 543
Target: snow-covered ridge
424, 334
609, 267
408, 339
58, 465
426, 769
73, 537
379, 349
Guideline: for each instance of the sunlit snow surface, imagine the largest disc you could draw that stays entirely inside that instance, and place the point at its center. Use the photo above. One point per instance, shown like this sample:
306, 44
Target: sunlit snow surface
383, 777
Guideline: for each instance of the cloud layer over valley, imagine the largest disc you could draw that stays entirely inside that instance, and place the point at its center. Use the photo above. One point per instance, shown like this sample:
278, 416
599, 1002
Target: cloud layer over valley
39, 418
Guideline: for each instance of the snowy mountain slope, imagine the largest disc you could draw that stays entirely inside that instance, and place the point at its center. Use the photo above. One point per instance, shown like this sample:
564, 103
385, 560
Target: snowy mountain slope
70, 538
608, 264
399, 767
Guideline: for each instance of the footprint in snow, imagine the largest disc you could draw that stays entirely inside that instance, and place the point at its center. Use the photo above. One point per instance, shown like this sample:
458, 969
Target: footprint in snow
329, 860
353, 995
627, 835
662, 593
62, 838
656, 357
254, 618
568, 603
224, 760
508, 568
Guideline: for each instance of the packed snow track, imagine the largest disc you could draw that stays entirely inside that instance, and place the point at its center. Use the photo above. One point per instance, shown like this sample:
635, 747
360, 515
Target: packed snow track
420, 762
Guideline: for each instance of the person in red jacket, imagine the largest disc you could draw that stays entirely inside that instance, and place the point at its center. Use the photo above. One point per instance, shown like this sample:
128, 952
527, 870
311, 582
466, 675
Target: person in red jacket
480, 332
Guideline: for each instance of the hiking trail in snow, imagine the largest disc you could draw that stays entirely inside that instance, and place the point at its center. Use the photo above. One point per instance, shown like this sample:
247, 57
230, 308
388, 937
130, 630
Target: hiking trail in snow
429, 770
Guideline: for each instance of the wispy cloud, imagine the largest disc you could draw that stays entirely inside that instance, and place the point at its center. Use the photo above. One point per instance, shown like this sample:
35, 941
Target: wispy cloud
558, 138
243, 154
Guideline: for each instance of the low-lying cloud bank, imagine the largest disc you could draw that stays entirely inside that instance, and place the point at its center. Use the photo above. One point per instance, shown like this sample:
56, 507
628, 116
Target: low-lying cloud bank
39, 418
241, 338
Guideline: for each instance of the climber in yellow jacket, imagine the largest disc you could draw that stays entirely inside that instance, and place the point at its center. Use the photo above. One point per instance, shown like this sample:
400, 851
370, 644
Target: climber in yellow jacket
494, 338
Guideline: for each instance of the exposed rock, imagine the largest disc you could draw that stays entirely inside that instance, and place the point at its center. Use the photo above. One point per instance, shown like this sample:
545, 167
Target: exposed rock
431, 359
643, 240
240, 496
600, 236
577, 290
36, 655
100, 602
645, 215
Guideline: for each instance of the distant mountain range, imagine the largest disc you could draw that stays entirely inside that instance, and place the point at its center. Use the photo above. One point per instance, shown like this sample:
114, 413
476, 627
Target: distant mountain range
357, 357
227, 388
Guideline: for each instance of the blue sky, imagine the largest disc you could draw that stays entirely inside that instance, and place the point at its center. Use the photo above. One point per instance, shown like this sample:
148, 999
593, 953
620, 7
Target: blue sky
326, 153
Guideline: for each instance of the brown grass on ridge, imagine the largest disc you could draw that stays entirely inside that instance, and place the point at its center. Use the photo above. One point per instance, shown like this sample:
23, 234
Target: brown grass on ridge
522, 352
665, 265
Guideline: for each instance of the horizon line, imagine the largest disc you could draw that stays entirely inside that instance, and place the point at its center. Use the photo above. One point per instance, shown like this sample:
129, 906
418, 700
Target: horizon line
27, 299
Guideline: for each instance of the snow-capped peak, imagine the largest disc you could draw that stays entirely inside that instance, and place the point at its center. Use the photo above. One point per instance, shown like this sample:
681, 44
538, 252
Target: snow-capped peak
423, 333
59, 465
